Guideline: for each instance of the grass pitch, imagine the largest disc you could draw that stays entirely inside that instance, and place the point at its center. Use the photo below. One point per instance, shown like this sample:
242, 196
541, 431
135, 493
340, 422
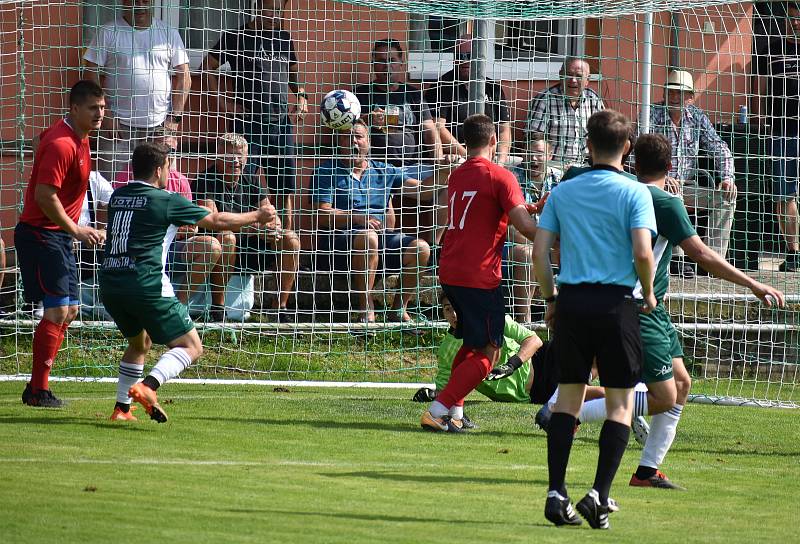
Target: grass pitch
250, 464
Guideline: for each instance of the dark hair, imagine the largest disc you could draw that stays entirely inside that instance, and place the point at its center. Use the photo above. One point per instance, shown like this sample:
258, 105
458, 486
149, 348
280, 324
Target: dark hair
792, 5
632, 138
388, 44
653, 155
82, 90
147, 157
478, 130
608, 130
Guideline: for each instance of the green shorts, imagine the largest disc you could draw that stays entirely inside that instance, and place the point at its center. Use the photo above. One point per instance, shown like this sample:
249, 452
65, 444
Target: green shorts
661, 345
164, 318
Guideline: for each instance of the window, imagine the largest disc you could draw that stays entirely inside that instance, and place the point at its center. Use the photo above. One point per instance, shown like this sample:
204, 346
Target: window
518, 49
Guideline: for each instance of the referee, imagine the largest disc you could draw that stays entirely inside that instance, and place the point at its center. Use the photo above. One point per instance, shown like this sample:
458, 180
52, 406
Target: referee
605, 222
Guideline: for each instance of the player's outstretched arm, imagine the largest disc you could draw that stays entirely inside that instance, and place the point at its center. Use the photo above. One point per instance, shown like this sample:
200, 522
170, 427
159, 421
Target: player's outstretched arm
543, 269
235, 221
720, 268
643, 261
520, 217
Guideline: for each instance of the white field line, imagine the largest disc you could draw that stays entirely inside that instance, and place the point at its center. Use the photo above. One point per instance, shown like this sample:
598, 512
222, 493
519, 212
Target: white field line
201, 381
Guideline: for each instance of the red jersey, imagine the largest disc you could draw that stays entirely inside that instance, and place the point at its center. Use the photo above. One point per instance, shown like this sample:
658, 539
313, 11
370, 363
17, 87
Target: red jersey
63, 160
479, 194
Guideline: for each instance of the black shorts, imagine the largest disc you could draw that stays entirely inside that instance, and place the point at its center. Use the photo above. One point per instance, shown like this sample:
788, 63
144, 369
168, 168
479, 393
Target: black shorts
334, 250
47, 264
545, 374
481, 314
594, 321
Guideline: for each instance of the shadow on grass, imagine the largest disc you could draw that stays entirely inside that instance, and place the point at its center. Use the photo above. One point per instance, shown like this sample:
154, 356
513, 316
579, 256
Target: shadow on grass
431, 478
68, 420
327, 424
379, 517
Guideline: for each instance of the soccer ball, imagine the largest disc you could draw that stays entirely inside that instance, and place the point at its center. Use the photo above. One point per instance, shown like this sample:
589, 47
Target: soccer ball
340, 109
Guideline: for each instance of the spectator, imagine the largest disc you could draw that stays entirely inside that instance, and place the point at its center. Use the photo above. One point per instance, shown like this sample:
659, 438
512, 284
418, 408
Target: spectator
536, 177
227, 187
403, 131
561, 112
352, 195
689, 130
449, 99
197, 255
143, 65
779, 102
264, 68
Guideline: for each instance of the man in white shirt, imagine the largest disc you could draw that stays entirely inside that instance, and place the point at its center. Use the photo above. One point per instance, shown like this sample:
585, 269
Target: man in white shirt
142, 64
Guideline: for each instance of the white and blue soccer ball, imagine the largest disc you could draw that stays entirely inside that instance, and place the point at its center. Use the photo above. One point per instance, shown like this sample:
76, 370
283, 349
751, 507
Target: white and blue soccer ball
340, 109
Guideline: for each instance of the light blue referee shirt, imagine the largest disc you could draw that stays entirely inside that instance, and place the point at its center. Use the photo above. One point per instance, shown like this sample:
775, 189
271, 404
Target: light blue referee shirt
593, 214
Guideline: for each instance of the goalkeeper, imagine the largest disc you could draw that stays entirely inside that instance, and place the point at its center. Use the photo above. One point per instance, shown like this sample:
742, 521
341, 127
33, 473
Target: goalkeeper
510, 381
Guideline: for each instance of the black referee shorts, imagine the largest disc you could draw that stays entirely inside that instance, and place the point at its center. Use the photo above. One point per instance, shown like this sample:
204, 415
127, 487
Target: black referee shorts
595, 321
47, 265
481, 314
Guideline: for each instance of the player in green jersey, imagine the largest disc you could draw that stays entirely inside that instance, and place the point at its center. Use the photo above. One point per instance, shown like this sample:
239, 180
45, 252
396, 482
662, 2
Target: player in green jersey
142, 221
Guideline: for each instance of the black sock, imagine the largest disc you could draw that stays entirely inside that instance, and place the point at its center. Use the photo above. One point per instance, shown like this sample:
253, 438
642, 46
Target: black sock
643, 473
124, 407
559, 444
613, 441
151, 382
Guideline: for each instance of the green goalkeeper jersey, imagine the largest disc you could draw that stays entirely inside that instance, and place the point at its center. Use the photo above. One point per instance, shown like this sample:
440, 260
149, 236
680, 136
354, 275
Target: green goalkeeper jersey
674, 226
510, 389
142, 222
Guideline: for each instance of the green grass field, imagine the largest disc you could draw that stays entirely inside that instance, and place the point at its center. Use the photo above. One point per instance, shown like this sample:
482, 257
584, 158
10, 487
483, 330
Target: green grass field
250, 464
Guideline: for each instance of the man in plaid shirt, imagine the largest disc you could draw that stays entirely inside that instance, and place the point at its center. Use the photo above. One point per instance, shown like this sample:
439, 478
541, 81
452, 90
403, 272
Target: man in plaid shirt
561, 112
689, 130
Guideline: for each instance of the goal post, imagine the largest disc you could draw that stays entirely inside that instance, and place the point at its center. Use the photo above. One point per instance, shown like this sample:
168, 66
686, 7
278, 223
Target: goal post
738, 351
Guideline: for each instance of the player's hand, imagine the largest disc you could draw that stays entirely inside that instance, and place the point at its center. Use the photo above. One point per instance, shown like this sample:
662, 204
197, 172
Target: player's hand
648, 304
550, 314
89, 236
674, 186
505, 370
728, 189
537, 207
364, 220
171, 126
769, 295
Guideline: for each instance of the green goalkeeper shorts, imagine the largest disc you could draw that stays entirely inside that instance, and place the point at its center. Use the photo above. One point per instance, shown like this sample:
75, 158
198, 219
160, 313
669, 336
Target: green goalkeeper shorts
661, 345
164, 318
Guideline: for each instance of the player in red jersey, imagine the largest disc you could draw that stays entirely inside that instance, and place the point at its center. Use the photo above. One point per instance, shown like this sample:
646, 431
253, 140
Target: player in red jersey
47, 225
482, 198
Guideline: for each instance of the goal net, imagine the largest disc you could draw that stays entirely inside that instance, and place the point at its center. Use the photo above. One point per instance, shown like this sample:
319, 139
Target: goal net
418, 68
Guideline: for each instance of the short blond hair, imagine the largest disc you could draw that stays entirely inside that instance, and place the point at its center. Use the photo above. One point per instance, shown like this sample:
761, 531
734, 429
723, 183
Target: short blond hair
233, 140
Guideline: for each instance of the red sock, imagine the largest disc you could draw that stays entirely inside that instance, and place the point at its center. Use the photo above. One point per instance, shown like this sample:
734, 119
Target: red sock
461, 356
466, 377
46, 340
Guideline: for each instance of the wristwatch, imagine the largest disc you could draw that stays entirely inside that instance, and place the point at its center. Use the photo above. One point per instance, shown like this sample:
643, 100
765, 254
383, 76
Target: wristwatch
176, 117
303, 94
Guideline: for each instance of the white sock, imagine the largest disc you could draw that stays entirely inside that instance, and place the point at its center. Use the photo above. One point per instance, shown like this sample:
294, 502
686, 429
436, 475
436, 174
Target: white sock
129, 374
593, 410
553, 399
457, 412
662, 434
437, 409
170, 365
639, 403
641, 387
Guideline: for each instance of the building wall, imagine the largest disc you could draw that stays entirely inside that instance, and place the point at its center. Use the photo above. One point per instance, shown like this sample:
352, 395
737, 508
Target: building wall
333, 41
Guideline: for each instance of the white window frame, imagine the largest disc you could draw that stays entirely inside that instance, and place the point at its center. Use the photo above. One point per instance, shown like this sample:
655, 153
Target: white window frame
429, 66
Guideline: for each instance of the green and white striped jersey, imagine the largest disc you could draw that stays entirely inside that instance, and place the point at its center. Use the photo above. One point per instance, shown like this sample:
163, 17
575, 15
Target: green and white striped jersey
142, 222
674, 226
